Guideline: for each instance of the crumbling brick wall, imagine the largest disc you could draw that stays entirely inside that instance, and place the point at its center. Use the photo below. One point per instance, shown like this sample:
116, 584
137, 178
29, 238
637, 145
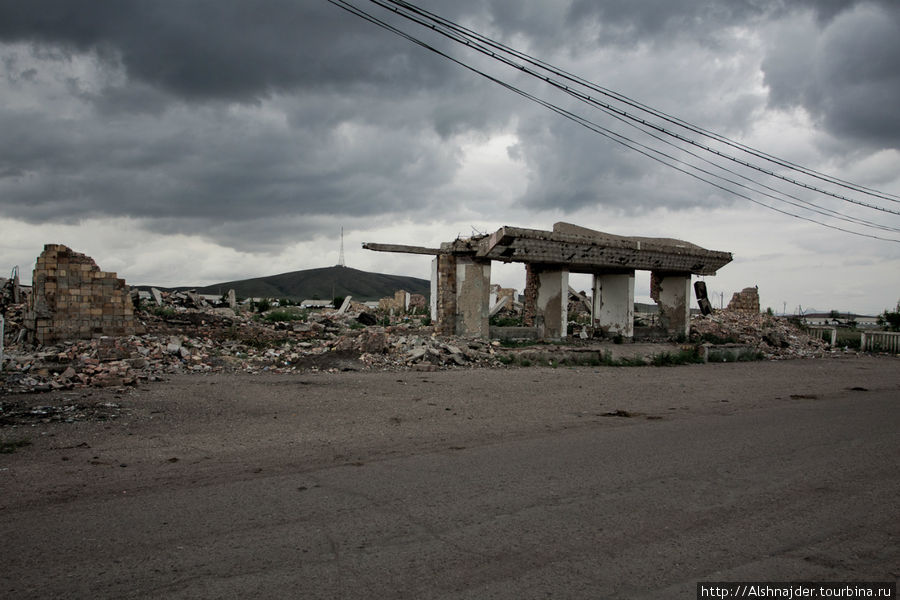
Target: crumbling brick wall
72, 298
446, 301
747, 300
532, 283
397, 303
418, 302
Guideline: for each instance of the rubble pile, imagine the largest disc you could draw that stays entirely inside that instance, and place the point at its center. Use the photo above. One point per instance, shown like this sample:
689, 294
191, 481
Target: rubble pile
183, 332
193, 340
775, 337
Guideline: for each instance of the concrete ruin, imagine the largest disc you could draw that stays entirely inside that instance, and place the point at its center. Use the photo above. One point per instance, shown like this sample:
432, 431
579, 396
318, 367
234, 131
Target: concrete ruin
73, 299
461, 274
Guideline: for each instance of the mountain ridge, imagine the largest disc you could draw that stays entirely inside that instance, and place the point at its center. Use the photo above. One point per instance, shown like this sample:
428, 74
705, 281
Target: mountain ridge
320, 283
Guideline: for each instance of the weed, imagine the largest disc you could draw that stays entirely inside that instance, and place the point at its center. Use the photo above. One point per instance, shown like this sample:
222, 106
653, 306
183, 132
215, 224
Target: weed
163, 311
285, 315
668, 359
744, 355
517, 343
499, 321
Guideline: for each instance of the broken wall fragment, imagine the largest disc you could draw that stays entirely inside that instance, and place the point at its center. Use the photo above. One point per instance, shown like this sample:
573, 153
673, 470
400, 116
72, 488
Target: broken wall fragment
73, 299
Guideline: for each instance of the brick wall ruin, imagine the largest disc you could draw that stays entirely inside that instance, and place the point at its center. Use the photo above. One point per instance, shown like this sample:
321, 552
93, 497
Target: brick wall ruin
446, 300
532, 282
747, 300
73, 299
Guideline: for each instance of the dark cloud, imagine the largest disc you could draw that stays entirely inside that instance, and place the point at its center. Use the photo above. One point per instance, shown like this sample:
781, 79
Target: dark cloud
254, 122
224, 49
846, 75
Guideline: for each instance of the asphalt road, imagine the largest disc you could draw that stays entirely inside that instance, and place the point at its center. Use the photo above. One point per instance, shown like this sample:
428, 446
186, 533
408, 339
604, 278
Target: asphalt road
405, 486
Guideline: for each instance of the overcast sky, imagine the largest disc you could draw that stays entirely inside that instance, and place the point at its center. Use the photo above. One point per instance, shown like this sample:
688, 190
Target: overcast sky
193, 142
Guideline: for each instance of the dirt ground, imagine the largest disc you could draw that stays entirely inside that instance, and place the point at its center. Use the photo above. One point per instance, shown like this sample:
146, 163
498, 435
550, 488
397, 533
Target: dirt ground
65, 451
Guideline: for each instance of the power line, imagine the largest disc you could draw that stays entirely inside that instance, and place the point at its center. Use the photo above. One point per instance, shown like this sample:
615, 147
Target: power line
621, 139
467, 34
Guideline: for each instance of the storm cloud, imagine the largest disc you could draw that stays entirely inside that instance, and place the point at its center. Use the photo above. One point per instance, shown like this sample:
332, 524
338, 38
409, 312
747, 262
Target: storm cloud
259, 124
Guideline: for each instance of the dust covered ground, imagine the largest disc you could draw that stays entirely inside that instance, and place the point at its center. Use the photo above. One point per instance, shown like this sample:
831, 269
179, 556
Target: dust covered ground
579, 482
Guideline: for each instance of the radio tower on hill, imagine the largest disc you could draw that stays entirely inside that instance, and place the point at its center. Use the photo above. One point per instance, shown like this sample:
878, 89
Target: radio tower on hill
341, 258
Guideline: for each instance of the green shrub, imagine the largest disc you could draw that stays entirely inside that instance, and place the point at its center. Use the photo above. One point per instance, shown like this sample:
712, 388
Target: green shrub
163, 311
501, 321
743, 355
285, 315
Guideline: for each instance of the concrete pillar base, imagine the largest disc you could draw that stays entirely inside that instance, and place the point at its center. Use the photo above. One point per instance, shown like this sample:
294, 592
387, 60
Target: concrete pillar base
473, 294
613, 307
672, 293
552, 303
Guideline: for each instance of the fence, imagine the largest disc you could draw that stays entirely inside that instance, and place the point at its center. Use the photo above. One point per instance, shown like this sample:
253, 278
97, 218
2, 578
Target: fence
829, 334
880, 341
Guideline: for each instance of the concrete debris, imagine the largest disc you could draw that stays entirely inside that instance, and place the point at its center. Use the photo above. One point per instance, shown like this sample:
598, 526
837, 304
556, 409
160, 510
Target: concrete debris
183, 332
366, 318
204, 340
774, 337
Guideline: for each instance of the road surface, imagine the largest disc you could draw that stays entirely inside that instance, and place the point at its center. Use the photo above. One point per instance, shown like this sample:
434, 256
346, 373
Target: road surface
522, 483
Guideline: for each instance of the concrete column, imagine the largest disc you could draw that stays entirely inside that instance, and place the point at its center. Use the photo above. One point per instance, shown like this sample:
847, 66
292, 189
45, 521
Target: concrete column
433, 299
473, 289
531, 286
672, 293
552, 305
613, 307
444, 295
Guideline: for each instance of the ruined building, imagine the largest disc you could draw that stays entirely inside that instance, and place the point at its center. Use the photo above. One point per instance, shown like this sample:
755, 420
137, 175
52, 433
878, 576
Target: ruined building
72, 298
747, 300
461, 274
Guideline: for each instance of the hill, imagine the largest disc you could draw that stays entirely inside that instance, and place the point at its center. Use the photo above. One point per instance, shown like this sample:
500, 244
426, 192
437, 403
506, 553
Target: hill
323, 283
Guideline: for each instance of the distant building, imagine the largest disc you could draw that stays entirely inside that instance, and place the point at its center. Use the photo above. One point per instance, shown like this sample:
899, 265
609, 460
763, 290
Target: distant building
841, 320
315, 304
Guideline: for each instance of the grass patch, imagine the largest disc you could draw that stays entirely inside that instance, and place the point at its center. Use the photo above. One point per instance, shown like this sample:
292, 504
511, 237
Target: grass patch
848, 338
163, 311
512, 343
744, 355
276, 316
671, 359
663, 359
12, 446
595, 359
498, 321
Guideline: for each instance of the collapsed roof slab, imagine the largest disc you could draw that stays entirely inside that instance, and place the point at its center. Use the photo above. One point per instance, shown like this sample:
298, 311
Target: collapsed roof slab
461, 307
580, 249
588, 251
